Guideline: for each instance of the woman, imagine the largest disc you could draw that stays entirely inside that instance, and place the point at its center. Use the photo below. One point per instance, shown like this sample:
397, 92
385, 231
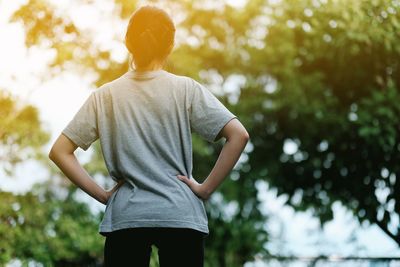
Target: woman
144, 120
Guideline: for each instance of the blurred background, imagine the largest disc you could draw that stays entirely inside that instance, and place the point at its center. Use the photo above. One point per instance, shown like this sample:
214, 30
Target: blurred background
315, 82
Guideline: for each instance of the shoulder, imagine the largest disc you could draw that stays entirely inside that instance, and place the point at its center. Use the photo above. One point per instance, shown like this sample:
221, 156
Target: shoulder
183, 84
107, 87
183, 80
103, 88
192, 83
100, 92
193, 87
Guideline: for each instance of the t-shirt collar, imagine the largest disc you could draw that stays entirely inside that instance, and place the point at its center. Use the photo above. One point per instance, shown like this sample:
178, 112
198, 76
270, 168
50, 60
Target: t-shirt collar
145, 75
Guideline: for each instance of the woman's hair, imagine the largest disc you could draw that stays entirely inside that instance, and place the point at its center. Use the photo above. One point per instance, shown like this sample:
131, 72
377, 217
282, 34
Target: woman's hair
150, 35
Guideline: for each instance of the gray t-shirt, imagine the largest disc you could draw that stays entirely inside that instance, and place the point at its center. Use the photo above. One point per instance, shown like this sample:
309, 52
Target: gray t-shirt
144, 123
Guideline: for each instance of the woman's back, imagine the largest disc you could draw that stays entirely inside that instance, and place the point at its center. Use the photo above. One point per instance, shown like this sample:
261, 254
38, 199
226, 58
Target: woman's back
144, 122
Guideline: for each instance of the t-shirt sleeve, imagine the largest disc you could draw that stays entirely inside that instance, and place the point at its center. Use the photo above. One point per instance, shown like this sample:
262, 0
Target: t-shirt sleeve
82, 129
207, 114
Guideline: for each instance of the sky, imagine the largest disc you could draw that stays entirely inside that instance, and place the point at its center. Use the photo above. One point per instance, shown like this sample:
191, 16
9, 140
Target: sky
58, 99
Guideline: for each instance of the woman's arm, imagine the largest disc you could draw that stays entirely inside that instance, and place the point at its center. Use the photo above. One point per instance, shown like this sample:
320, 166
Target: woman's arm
62, 154
236, 140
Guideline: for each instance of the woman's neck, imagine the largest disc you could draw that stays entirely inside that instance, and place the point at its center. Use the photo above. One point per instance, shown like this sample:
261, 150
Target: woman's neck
153, 66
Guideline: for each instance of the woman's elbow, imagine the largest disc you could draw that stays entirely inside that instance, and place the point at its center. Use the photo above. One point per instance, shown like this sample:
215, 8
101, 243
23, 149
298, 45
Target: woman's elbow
52, 153
235, 130
55, 152
245, 136
241, 137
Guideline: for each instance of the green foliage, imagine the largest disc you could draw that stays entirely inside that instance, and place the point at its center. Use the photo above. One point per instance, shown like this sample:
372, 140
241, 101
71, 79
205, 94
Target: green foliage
237, 231
337, 94
21, 134
44, 228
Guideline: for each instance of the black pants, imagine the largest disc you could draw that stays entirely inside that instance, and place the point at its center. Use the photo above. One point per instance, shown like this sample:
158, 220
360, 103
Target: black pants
177, 247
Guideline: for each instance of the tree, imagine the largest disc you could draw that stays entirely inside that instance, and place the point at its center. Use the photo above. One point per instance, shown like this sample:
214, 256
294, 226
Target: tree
21, 135
42, 227
335, 65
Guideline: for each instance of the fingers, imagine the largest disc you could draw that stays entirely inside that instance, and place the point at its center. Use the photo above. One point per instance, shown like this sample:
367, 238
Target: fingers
184, 179
120, 182
118, 185
181, 177
192, 184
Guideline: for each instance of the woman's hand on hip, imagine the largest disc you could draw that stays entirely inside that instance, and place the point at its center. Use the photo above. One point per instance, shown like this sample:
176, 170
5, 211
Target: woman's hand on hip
112, 190
197, 188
